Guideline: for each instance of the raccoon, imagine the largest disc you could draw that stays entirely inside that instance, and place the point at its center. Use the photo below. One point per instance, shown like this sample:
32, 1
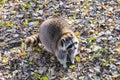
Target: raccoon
58, 38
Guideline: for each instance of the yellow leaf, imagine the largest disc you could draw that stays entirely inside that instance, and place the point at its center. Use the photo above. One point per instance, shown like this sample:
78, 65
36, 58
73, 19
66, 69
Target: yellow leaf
25, 23
9, 24
74, 15
36, 22
24, 5
8, 67
44, 78
88, 5
72, 66
94, 21
118, 1
96, 32
0, 54
89, 57
116, 76
85, 10
78, 58
37, 76
77, 33
34, 0
2, 1
113, 60
5, 59
115, 7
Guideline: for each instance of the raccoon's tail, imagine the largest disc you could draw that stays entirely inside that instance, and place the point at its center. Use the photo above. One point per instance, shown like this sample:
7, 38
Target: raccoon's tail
33, 40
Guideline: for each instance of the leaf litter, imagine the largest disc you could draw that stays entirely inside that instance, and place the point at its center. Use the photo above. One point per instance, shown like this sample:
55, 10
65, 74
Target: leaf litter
96, 24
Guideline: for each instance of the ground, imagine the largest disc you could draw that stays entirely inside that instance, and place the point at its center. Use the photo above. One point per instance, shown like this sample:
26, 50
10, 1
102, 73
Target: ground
96, 24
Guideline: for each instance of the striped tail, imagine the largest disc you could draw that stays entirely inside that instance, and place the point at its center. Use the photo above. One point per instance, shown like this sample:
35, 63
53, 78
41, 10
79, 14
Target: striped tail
33, 40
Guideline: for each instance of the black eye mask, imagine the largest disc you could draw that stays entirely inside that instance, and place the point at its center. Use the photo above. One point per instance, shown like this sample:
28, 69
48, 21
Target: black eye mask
71, 45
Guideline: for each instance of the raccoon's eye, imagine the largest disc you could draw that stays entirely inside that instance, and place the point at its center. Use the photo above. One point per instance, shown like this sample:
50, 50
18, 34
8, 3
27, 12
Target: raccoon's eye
62, 42
70, 46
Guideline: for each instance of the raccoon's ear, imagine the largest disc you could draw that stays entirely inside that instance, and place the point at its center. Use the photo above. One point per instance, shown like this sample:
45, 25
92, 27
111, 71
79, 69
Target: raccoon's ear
62, 42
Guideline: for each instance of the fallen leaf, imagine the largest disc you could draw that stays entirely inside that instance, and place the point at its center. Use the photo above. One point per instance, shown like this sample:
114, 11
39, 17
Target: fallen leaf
77, 33
37, 76
117, 50
2, 1
83, 48
5, 59
112, 59
105, 63
116, 76
97, 69
96, 48
44, 78
25, 22
70, 22
74, 75
52, 58
81, 78
84, 59
78, 58
36, 22
22, 55
74, 15
88, 5
72, 66
23, 46
29, 5
93, 38
96, 55
118, 1
31, 63
96, 32
95, 21
8, 67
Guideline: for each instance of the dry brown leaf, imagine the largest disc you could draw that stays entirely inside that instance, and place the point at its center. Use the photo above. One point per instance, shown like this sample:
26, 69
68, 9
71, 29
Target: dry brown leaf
21, 55
83, 48
74, 75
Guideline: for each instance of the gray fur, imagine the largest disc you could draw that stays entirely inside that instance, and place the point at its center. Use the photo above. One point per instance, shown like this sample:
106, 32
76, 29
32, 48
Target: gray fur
52, 36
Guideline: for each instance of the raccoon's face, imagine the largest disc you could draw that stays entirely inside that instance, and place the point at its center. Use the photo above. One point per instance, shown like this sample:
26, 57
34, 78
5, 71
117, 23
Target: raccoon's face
70, 44
67, 47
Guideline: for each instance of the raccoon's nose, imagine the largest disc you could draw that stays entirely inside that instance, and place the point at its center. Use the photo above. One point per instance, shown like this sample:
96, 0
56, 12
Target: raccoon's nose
65, 66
